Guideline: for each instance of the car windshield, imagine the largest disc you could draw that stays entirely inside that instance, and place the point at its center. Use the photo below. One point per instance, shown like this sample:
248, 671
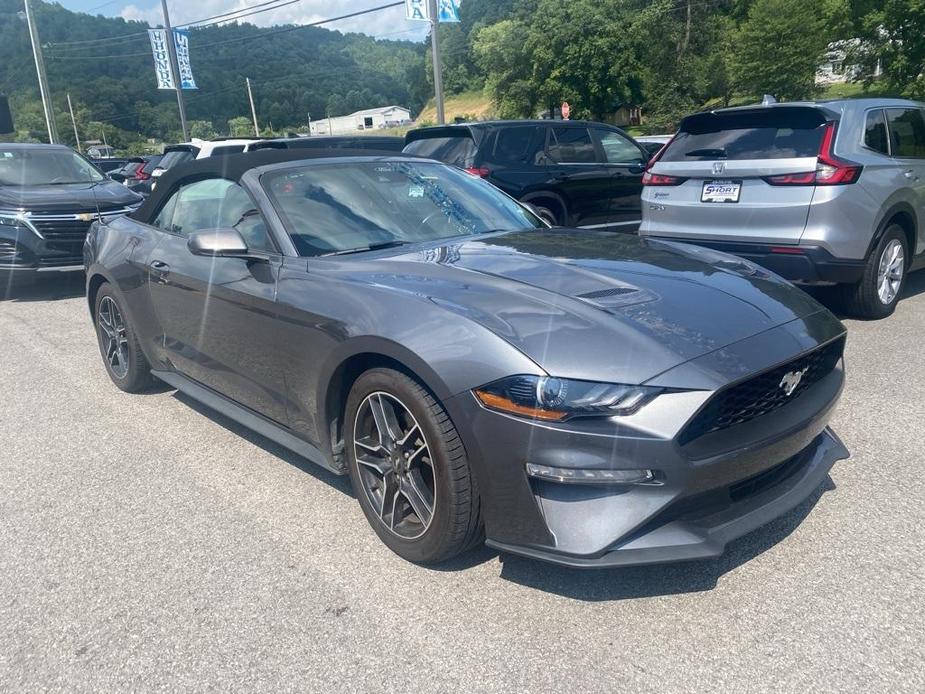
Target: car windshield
355, 206
44, 166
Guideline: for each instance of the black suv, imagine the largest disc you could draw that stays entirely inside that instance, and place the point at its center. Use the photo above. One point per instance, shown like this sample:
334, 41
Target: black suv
575, 173
49, 196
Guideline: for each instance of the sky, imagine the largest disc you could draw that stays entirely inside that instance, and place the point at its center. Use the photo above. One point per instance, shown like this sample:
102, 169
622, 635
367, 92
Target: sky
389, 23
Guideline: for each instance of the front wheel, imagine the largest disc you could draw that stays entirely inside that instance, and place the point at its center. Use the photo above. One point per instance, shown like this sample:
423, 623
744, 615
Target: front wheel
877, 294
125, 362
408, 467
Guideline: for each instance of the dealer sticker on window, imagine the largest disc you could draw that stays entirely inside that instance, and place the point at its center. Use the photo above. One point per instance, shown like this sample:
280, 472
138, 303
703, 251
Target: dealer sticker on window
721, 191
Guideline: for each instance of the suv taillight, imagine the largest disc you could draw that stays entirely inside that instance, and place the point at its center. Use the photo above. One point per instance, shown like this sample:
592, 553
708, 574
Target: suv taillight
651, 179
480, 171
142, 175
830, 170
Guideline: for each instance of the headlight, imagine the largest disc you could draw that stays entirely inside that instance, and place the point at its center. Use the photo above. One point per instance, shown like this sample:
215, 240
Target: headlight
558, 399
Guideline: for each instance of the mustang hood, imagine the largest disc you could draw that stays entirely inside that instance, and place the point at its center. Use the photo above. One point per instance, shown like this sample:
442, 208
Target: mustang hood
597, 306
68, 197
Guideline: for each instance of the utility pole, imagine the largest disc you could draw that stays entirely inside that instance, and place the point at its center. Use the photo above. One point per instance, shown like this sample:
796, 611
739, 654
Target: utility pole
309, 123
70, 108
438, 70
175, 69
43, 78
250, 96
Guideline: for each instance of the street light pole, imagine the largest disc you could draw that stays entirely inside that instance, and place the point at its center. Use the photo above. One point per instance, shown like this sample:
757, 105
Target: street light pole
43, 78
250, 96
70, 107
175, 69
438, 70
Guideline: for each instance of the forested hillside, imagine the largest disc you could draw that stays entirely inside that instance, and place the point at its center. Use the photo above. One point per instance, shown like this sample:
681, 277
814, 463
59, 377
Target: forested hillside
670, 57
112, 83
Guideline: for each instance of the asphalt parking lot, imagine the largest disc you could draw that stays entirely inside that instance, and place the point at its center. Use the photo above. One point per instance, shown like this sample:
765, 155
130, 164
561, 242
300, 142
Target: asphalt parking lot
149, 544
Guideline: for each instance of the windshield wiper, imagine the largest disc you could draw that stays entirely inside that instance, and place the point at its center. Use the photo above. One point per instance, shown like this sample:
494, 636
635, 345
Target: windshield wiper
371, 247
707, 152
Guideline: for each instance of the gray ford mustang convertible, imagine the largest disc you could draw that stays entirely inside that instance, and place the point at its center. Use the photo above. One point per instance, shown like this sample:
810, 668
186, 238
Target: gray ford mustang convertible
584, 397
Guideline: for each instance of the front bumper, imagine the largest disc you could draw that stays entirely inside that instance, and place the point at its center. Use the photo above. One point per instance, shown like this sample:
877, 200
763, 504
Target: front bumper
705, 525
708, 491
799, 264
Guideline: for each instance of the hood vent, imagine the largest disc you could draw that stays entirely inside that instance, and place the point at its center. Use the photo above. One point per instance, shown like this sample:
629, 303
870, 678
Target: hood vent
605, 293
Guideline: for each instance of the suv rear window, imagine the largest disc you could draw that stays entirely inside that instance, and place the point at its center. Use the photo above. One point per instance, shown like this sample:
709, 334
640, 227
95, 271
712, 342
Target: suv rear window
514, 144
773, 133
875, 132
458, 150
176, 156
571, 146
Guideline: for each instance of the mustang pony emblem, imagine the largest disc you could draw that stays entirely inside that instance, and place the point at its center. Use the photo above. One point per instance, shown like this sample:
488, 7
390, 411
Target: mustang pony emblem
791, 380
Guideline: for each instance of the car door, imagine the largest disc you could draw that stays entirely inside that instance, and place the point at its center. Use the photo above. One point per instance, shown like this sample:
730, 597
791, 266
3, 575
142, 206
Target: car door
579, 174
510, 156
906, 128
626, 162
217, 314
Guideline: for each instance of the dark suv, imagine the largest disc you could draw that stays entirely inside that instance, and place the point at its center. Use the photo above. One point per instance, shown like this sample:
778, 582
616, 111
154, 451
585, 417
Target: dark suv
574, 173
49, 196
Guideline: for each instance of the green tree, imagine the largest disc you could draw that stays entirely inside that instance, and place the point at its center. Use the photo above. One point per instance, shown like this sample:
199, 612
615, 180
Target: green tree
500, 52
778, 47
892, 43
240, 126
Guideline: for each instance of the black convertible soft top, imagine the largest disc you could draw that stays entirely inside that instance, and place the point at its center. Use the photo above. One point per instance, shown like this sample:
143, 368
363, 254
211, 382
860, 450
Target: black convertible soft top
234, 166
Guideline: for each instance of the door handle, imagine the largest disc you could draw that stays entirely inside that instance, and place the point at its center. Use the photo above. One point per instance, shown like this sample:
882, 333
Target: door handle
160, 270
910, 173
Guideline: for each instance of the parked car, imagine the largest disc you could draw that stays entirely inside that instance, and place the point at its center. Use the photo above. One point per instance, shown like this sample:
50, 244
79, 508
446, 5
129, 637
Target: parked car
824, 192
200, 149
573, 172
140, 181
587, 397
127, 170
378, 142
653, 143
109, 164
49, 195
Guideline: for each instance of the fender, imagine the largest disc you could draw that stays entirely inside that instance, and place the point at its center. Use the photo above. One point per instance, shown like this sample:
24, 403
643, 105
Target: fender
891, 208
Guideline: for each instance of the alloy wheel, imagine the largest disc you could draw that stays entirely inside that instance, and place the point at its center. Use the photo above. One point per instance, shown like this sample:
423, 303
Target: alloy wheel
394, 465
890, 271
112, 337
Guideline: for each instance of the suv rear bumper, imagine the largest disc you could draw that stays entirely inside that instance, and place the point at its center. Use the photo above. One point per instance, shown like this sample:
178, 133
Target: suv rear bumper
799, 264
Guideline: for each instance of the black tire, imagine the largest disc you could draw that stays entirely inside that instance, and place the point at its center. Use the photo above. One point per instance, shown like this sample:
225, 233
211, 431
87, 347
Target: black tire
455, 523
863, 300
550, 212
136, 377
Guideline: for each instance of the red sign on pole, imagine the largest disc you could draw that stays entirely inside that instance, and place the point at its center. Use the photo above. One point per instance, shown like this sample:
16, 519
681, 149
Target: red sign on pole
566, 110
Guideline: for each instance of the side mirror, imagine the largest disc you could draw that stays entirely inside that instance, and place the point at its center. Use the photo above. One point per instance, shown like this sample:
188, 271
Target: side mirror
218, 243
117, 177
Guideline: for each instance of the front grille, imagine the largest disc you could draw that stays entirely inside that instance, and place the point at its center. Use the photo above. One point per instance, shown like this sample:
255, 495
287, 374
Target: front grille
61, 229
764, 393
7, 250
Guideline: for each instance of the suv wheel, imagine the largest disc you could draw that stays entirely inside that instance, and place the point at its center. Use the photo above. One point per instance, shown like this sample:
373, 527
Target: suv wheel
408, 468
550, 212
125, 362
876, 295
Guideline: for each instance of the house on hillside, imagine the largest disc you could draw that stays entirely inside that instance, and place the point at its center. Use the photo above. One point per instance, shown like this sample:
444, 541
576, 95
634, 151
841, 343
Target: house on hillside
836, 66
368, 119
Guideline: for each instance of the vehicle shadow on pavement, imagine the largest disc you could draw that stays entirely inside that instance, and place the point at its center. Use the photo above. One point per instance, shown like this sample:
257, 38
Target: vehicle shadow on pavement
661, 579
46, 287
339, 482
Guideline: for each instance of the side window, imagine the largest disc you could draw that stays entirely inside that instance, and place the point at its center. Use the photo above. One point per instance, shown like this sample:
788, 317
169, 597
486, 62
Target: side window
515, 145
618, 149
571, 146
907, 132
163, 218
875, 132
214, 203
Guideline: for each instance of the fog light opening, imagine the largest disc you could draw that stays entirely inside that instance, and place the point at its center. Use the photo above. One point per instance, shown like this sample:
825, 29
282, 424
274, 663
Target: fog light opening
590, 476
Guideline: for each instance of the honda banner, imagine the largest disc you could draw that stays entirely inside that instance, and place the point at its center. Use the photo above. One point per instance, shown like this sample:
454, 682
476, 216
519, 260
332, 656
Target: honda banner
165, 77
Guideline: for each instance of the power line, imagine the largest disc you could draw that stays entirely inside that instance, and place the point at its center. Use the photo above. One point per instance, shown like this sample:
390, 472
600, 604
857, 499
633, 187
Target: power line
243, 9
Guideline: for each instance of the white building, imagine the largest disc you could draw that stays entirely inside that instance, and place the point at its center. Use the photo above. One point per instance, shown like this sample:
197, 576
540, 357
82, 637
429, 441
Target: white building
835, 68
369, 119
